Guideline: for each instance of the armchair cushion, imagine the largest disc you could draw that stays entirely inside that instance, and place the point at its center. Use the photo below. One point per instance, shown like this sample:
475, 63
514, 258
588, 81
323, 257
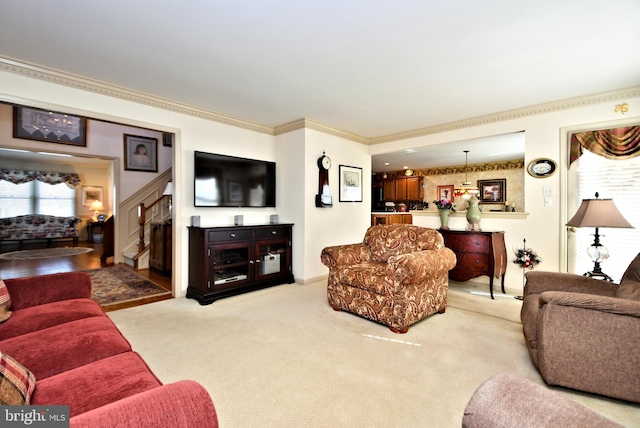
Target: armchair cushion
384, 242
629, 290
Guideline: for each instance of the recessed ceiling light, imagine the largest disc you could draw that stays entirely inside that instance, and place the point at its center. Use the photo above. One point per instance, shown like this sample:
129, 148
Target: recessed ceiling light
387, 164
405, 167
411, 151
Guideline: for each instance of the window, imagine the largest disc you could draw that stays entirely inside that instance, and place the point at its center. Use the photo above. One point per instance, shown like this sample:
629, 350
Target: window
619, 180
36, 197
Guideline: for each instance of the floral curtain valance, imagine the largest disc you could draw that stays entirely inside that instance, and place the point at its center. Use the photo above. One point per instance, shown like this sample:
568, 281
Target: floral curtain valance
17, 176
615, 143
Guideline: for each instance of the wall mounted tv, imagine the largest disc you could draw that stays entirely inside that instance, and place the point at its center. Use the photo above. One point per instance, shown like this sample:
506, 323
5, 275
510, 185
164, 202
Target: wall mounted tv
229, 181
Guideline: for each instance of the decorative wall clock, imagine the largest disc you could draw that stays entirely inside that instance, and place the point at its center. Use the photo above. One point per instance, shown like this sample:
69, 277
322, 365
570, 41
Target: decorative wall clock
542, 168
324, 198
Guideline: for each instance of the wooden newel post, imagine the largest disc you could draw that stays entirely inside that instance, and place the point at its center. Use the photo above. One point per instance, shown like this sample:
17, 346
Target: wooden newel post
142, 219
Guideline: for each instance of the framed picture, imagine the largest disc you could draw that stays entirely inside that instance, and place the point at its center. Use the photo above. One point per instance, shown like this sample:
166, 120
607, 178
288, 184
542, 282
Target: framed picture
140, 153
445, 192
167, 139
91, 194
350, 183
235, 191
50, 126
493, 191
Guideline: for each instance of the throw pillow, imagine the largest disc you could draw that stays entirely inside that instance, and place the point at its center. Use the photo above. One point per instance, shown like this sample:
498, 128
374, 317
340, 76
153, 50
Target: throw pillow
16, 382
5, 302
629, 290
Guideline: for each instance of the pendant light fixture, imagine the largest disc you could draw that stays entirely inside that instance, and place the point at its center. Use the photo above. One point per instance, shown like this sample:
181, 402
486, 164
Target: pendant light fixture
466, 191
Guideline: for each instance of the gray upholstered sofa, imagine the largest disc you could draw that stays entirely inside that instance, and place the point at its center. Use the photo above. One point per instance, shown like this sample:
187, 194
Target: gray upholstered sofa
584, 333
39, 226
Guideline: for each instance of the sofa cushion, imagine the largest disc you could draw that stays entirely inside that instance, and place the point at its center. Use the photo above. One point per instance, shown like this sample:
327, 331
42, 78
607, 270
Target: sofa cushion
97, 384
5, 302
39, 317
16, 382
64, 347
629, 290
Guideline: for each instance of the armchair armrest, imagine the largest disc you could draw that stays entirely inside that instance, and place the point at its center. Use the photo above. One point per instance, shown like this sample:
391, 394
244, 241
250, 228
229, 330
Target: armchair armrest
539, 282
345, 255
416, 267
38, 290
607, 304
180, 404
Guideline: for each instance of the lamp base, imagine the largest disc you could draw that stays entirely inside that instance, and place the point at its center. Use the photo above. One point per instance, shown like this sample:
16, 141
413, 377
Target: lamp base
594, 274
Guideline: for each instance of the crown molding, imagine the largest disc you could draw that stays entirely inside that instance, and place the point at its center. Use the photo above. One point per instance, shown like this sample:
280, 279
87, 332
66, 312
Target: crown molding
566, 104
79, 82
305, 123
458, 169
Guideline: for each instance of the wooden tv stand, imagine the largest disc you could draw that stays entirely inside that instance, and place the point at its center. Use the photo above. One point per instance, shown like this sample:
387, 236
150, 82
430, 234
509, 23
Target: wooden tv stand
229, 260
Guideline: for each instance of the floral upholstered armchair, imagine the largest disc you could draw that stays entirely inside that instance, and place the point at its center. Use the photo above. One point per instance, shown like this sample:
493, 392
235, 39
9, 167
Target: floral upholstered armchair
397, 276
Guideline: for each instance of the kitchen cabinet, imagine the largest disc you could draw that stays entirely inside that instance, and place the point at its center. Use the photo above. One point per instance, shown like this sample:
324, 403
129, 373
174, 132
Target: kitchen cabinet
391, 218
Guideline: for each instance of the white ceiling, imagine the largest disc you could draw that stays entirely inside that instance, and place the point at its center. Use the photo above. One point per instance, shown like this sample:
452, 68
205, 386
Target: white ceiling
365, 67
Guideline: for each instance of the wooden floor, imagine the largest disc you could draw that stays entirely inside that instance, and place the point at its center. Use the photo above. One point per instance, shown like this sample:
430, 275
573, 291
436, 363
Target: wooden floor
20, 268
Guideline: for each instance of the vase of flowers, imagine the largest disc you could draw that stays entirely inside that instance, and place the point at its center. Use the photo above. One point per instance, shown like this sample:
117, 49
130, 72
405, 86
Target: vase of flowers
445, 207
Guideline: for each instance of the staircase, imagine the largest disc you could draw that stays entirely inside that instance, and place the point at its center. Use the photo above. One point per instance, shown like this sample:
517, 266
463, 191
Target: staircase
134, 236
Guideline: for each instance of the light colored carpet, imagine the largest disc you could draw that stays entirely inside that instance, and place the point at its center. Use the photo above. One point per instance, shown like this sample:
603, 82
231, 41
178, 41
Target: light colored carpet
281, 357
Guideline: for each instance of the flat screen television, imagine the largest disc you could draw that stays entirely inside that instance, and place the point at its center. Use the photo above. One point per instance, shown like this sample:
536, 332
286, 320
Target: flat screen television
229, 181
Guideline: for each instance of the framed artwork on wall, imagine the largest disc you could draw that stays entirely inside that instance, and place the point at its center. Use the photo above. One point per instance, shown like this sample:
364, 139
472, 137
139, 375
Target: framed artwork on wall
140, 153
49, 126
91, 194
350, 183
493, 191
445, 192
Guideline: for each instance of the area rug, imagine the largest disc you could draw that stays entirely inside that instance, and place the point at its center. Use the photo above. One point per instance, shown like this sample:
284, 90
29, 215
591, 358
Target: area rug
119, 284
45, 253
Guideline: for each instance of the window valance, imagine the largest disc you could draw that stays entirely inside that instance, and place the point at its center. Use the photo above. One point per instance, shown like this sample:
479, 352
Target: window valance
17, 176
615, 143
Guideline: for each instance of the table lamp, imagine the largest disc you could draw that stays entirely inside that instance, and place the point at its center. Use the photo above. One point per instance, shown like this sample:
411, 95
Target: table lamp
598, 213
96, 207
168, 191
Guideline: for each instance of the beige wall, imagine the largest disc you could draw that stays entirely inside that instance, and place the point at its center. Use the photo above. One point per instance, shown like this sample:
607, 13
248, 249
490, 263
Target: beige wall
542, 226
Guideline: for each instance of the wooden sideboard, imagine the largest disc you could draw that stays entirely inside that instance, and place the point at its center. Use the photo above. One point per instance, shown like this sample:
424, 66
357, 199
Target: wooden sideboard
478, 253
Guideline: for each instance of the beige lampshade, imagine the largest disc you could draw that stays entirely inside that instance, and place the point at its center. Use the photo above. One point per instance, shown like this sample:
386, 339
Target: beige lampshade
97, 206
168, 191
598, 213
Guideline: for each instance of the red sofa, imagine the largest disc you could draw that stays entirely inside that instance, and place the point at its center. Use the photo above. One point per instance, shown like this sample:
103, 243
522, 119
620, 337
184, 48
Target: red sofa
79, 358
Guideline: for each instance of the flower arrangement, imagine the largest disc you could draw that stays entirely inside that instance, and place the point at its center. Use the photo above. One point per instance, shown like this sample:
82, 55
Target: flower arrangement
445, 204
526, 258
